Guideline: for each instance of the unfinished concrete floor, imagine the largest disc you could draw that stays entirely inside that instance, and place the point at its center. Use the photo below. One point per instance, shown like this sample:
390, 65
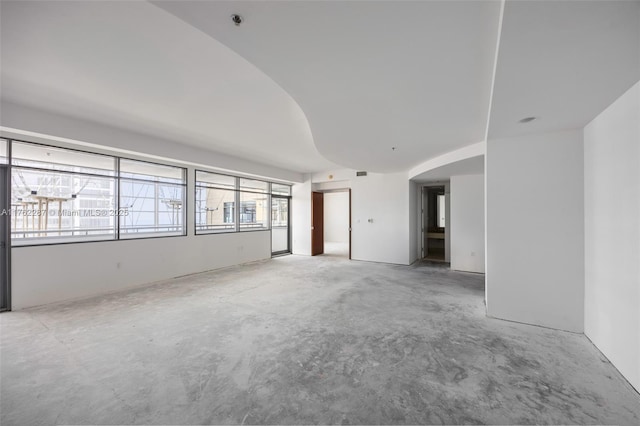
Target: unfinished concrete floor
301, 340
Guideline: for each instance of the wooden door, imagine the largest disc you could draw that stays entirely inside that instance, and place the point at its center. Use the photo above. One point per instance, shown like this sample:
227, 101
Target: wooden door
317, 223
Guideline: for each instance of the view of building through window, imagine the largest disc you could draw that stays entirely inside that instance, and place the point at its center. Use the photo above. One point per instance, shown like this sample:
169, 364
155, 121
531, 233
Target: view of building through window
60, 195
218, 195
280, 212
151, 198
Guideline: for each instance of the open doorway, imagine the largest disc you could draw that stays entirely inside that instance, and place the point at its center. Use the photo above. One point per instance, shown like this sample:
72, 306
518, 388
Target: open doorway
336, 223
331, 227
434, 209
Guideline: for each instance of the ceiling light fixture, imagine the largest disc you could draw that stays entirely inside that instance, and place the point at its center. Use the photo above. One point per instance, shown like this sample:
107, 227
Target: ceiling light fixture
527, 120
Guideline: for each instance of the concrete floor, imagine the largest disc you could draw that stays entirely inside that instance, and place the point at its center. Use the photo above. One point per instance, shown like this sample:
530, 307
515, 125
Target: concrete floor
301, 340
336, 249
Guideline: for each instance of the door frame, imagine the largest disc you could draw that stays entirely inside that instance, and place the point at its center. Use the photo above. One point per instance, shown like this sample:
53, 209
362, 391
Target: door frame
347, 190
288, 249
425, 208
5, 203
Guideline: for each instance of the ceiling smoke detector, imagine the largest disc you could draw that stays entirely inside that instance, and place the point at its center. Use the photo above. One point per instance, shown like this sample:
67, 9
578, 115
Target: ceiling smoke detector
236, 19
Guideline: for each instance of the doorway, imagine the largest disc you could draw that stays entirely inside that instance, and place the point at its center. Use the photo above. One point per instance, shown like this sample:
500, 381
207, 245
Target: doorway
434, 223
331, 223
5, 228
336, 223
280, 225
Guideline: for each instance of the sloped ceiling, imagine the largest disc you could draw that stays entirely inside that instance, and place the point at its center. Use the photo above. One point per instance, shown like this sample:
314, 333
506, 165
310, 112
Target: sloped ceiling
370, 76
308, 85
132, 65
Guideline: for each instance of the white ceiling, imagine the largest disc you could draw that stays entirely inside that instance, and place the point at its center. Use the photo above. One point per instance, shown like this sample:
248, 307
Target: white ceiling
369, 75
132, 65
306, 84
468, 166
564, 62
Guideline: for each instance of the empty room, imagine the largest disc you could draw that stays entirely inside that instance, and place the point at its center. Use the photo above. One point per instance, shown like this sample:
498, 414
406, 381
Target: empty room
319, 212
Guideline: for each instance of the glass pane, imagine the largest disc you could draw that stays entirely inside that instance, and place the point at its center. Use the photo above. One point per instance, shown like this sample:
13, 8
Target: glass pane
441, 211
150, 208
60, 206
215, 210
47, 157
3, 151
254, 211
150, 171
279, 225
253, 185
215, 180
279, 189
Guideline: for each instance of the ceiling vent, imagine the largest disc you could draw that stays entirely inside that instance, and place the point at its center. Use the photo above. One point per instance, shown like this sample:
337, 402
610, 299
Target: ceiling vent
361, 173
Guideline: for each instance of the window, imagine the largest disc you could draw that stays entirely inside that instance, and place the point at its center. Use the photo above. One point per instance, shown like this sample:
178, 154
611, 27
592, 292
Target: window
254, 211
279, 212
254, 205
151, 199
441, 211
59, 195
248, 212
62, 195
279, 189
3, 151
253, 185
217, 196
228, 212
215, 203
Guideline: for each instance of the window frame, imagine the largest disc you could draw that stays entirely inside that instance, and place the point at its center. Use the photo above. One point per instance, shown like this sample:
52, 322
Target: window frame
196, 186
185, 201
237, 201
116, 194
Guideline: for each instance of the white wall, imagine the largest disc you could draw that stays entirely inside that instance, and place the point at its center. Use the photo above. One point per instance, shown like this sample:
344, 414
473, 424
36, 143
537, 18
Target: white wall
53, 273
46, 274
612, 233
336, 217
383, 198
467, 223
535, 229
447, 221
96, 136
301, 217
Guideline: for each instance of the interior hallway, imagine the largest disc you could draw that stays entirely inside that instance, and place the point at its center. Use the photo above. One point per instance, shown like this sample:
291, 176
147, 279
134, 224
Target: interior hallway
301, 340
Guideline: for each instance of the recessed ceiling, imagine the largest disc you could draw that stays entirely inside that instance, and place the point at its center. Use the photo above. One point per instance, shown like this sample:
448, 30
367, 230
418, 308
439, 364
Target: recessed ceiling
310, 85
564, 62
468, 166
132, 65
369, 75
